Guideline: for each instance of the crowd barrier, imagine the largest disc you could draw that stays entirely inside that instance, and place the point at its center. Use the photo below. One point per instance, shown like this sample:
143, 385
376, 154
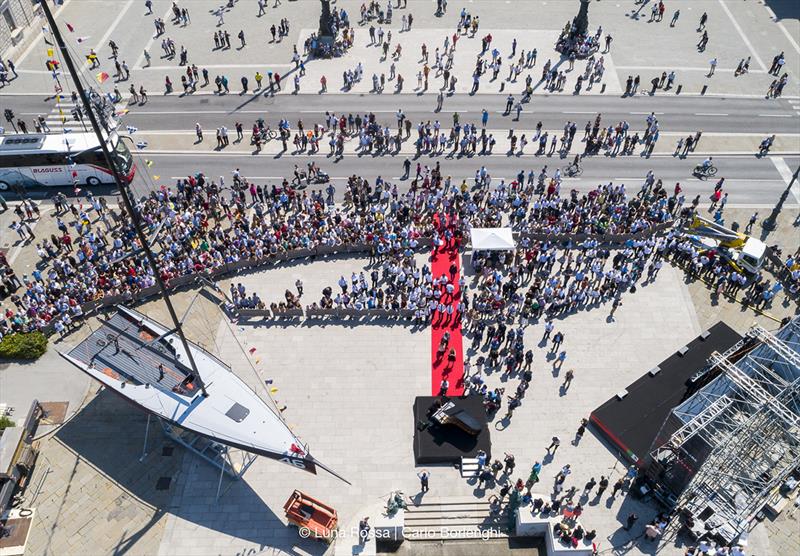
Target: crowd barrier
228, 268
604, 239
344, 312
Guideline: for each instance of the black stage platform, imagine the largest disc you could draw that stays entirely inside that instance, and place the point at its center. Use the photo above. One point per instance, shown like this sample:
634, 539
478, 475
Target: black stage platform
448, 443
632, 423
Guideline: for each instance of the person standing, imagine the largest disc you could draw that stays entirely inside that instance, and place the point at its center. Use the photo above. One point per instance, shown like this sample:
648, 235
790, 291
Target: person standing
199, 131
424, 476
617, 487
548, 328
568, 379
614, 306
363, 530
603, 485
554, 444
510, 463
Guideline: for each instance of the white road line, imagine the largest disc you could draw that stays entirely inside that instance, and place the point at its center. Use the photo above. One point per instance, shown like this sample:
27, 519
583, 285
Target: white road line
589, 112
265, 67
709, 114
745, 40
687, 68
35, 42
647, 113
149, 43
113, 26
783, 28
774, 115
42, 210
786, 173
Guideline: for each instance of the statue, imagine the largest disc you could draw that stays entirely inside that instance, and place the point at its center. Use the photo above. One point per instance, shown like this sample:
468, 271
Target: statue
582, 19
325, 20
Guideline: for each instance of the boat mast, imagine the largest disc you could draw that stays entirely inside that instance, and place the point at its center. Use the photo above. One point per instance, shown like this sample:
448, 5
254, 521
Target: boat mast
120, 182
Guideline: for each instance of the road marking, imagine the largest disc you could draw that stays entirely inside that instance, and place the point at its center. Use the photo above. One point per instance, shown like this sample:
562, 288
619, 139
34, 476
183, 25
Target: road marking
786, 173
149, 43
647, 113
709, 114
589, 112
774, 115
477, 158
40, 36
42, 210
745, 40
113, 26
337, 178
686, 68
220, 66
783, 28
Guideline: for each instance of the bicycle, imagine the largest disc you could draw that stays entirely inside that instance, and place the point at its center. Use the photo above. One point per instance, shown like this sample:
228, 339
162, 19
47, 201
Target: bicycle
702, 171
573, 169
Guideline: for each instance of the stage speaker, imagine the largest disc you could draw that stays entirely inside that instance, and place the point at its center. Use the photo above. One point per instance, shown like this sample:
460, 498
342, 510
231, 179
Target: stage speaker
622, 394
654, 371
683, 351
705, 334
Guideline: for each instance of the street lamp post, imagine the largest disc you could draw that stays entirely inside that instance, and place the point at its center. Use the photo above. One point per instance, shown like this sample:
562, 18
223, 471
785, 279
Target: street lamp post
325, 20
582, 19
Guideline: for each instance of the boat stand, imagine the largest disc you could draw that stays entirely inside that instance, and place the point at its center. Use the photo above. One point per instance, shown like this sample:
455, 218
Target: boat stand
230, 461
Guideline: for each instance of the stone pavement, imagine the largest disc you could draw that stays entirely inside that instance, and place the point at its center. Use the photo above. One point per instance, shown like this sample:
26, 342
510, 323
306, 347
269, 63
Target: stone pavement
736, 30
349, 389
350, 399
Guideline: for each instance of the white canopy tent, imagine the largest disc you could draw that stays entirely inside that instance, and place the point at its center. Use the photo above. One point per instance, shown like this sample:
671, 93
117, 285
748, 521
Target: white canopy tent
492, 239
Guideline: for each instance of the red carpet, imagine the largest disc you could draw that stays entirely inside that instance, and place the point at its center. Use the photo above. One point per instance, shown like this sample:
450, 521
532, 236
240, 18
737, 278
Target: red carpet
441, 366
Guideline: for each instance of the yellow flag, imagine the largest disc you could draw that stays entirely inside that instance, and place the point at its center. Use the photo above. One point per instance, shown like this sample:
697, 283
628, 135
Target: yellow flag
49, 52
273, 390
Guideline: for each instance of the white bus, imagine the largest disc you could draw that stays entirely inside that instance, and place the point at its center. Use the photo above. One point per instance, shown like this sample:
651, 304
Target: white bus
41, 159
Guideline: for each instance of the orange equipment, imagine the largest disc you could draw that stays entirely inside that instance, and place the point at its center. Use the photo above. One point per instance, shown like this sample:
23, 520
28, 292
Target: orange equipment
318, 519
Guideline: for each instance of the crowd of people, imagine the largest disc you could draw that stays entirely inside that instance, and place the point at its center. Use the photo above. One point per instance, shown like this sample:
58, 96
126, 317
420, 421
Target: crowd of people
201, 225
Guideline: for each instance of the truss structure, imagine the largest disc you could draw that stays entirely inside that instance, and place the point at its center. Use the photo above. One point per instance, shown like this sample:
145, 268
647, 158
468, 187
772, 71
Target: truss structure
735, 441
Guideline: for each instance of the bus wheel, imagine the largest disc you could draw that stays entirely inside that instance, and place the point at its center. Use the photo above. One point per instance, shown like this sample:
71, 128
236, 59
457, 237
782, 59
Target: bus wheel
4, 186
93, 181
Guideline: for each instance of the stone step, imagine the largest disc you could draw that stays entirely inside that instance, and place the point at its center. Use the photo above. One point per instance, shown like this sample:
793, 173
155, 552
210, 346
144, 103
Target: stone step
469, 468
455, 532
449, 507
471, 517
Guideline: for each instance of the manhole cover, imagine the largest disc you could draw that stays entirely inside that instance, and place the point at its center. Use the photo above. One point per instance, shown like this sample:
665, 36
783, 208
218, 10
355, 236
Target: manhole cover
163, 483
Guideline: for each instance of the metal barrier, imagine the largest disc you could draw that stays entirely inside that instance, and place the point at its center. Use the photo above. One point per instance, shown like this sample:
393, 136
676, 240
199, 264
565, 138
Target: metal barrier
253, 313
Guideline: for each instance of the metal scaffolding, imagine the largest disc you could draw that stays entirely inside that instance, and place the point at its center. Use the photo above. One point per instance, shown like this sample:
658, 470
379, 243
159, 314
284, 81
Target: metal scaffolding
735, 442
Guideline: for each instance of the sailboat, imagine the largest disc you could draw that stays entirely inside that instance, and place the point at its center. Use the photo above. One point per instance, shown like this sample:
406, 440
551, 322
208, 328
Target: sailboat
157, 369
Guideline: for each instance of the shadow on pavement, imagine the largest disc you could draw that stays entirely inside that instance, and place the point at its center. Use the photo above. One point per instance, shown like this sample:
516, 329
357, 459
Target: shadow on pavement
108, 434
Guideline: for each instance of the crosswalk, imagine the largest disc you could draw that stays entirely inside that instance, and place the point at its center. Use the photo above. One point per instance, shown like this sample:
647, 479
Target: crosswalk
795, 106
60, 118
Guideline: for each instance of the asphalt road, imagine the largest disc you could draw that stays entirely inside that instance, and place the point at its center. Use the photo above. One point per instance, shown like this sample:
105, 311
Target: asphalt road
675, 112
750, 181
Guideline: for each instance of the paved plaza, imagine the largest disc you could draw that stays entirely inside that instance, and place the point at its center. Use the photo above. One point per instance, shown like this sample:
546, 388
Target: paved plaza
111, 481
